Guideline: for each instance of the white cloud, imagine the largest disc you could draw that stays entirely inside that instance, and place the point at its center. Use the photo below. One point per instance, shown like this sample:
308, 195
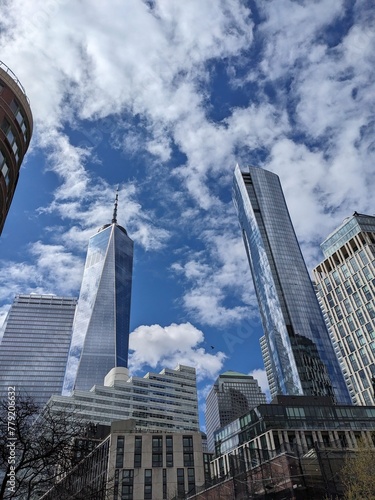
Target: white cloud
158, 346
79, 61
213, 275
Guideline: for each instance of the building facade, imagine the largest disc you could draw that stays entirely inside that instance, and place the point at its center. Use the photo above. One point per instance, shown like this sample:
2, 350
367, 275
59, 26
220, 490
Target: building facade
300, 350
268, 367
133, 464
345, 283
232, 395
165, 400
16, 126
293, 448
35, 345
101, 326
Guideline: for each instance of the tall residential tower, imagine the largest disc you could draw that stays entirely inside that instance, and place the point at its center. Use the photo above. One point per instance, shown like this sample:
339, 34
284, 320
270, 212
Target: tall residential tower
302, 356
346, 287
16, 126
101, 325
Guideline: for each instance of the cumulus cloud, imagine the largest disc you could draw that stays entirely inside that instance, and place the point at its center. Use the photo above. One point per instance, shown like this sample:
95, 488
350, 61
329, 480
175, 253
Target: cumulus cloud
158, 346
212, 276
306, 112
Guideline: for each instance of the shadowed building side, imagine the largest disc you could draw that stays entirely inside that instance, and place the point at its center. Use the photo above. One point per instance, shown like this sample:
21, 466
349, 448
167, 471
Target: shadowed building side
16, 126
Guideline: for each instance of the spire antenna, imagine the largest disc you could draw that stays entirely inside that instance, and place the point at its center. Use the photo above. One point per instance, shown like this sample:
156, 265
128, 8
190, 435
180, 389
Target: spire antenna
114, 219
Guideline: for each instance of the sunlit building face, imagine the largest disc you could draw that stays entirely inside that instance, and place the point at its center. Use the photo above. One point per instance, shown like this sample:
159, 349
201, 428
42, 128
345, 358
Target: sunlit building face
101, 326
301, 354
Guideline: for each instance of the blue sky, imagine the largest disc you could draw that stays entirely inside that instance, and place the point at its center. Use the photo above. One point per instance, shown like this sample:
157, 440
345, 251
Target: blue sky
161, 99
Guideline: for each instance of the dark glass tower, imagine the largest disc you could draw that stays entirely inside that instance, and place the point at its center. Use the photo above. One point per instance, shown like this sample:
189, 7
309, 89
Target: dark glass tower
302, 357
101, 325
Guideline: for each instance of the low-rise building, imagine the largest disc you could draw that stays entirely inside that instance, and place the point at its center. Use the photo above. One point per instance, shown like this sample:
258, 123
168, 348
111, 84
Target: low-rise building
134, 464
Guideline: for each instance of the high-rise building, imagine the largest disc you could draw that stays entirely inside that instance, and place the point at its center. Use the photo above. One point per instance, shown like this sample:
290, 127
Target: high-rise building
232, 395
165, 400
16, 125
300, 350
345, 282
101, 325
35, 345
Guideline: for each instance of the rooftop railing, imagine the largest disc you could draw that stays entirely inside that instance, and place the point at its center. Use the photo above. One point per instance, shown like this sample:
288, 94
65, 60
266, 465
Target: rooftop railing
14, 77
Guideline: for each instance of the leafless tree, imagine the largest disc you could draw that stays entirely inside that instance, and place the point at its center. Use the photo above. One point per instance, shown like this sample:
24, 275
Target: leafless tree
35, 447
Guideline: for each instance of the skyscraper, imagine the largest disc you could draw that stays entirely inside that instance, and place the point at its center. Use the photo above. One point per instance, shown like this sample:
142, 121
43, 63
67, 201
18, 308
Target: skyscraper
35, 345
101, 325
345, 283
232, 395
302, 356
16, 125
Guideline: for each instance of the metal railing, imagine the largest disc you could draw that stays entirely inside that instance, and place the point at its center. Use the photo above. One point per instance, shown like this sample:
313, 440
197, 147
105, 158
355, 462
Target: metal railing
14, 77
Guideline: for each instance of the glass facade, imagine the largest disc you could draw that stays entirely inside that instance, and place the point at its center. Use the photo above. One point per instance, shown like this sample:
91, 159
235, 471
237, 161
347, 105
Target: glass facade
300, 350
101, 325
34, 349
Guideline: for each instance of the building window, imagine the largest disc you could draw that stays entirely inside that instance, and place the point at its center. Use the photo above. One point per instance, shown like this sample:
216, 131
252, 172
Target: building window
120, 452
363, 257
148, 484
364, 380
360, 317
137, 452
127, 485
350, 343
180, 483
188, 451
338, 313
169, 451
328, 284
363, 354
191, 481
357, 280
345, 271
348, 287
330, 300
336, 277
353, 362
367, 292
164, 484
115, 488
157, 451
351, 324
348, 306
360, 337
19, 117
354, 264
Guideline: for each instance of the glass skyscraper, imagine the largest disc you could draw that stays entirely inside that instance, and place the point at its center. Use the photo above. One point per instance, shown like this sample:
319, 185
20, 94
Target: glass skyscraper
101, 325
300, 350
35, 345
